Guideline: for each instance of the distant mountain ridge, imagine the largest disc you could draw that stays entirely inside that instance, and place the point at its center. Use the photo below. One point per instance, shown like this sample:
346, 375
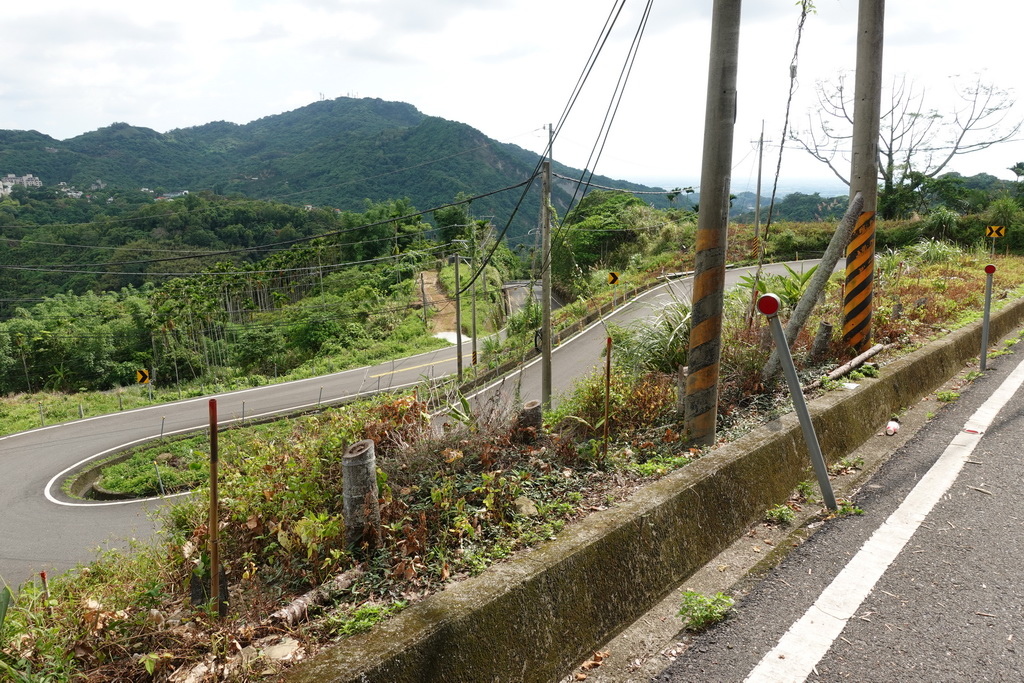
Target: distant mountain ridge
336, 153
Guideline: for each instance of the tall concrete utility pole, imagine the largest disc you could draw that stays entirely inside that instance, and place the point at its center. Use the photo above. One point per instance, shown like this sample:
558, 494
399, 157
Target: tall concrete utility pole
860, 253
545, 285
701, 405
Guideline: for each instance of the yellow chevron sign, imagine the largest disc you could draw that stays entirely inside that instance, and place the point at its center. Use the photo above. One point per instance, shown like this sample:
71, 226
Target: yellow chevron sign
613, 278
995, 231
142, 376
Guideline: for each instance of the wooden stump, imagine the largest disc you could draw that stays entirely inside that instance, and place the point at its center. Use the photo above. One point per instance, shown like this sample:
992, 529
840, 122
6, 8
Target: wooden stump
361, 506
821, 340
530, 421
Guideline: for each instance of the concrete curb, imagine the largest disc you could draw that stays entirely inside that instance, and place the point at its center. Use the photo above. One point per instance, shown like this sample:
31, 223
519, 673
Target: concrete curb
535, 617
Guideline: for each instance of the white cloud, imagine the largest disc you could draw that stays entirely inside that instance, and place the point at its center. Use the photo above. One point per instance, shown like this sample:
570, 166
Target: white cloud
506, 67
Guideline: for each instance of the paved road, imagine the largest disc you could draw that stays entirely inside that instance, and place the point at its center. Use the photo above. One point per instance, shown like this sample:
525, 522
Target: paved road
55, 533
927, 585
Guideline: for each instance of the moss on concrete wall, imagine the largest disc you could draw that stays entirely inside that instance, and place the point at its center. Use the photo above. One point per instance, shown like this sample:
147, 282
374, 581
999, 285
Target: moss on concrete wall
534, 618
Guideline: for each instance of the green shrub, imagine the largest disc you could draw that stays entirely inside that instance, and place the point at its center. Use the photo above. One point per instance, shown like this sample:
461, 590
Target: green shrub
700, 611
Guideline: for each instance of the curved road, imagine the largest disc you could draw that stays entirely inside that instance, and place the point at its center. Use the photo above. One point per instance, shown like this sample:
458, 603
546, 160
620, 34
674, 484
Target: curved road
53, 532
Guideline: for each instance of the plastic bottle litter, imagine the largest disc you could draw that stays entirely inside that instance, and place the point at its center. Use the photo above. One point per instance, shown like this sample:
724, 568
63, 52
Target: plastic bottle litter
892, 427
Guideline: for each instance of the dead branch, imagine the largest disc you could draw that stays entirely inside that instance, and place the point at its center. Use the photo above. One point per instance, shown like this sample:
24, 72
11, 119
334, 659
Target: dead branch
298, 609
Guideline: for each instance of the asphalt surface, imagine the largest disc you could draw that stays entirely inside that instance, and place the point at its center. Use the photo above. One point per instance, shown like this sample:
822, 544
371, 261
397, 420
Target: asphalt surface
948, 607
43, 529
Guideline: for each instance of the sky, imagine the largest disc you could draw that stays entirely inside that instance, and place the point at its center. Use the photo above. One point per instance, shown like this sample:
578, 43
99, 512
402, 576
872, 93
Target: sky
505, 67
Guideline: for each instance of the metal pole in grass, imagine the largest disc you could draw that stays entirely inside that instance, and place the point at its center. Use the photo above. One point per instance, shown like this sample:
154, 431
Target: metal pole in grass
989, 272
159, 479
768, 304
214, 522
42, 420
607, 390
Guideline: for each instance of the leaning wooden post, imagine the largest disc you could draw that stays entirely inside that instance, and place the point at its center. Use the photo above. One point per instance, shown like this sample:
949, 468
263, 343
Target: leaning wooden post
361, 506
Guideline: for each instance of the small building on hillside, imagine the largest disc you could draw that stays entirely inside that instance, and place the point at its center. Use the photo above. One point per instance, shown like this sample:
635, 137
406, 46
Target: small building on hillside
27, 180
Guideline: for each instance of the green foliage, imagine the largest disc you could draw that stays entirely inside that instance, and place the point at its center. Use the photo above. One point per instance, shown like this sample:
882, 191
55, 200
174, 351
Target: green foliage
788, 240
806, 490
344, 624
941, 223
5, 603
1005, 212
930, 251
700, 611
782, 515
946, 396
635, 400
660, 344
847, 508
182, 464
789, 287
660, 465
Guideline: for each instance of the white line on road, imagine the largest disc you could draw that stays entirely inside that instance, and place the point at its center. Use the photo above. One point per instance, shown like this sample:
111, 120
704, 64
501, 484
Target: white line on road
807, 641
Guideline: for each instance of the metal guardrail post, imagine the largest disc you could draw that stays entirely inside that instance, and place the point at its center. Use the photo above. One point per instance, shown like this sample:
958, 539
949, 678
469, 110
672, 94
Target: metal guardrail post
768, 304
989, 272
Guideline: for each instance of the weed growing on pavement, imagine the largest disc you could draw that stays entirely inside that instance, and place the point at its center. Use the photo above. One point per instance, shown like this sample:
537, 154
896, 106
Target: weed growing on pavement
805, 489
781, 515
847, 508
947, 396
700, 611
846, 465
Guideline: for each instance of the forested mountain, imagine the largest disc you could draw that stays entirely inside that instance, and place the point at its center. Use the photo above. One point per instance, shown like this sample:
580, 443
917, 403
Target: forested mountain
335, 153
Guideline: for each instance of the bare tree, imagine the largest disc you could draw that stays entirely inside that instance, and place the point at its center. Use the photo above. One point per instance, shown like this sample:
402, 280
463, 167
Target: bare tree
915, 142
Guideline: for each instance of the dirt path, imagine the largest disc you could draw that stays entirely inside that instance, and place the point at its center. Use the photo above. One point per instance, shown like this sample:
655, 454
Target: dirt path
443, 307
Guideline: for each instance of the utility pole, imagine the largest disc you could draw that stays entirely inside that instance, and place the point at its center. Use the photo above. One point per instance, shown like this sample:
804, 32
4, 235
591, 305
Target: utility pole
472, 287
860, 253
701, 405
545, 227
423, 294
757, 200
458, 316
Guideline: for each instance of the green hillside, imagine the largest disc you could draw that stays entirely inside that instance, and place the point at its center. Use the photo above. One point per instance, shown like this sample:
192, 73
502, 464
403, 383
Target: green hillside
337, 153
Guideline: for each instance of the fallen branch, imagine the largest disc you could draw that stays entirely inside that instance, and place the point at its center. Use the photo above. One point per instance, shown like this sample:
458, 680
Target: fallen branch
849, 367
298, 609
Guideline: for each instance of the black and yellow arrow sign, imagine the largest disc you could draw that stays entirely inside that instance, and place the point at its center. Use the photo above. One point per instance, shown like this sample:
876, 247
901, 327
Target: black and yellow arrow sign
142, 376
995, 231
613, 278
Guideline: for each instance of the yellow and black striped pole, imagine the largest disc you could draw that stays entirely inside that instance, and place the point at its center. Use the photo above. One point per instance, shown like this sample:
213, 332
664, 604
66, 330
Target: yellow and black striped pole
860, 266
701, 402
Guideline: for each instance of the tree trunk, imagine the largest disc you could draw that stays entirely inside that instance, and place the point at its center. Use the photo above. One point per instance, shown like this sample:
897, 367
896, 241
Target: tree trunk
836, 248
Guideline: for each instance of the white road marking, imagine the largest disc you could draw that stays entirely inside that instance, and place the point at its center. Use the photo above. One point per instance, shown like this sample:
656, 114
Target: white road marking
807, 641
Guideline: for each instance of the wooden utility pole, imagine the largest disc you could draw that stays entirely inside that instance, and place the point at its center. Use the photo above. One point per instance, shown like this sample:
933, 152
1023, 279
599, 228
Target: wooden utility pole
860, 254
712, 226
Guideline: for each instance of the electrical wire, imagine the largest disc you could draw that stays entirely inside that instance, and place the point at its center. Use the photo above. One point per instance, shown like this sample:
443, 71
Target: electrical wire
614, 102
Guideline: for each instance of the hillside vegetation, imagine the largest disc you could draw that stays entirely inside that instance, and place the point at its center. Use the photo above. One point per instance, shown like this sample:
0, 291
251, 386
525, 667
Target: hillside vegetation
336, 153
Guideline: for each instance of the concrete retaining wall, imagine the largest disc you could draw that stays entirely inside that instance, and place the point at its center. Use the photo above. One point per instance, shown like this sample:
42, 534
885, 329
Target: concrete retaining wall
534, 618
